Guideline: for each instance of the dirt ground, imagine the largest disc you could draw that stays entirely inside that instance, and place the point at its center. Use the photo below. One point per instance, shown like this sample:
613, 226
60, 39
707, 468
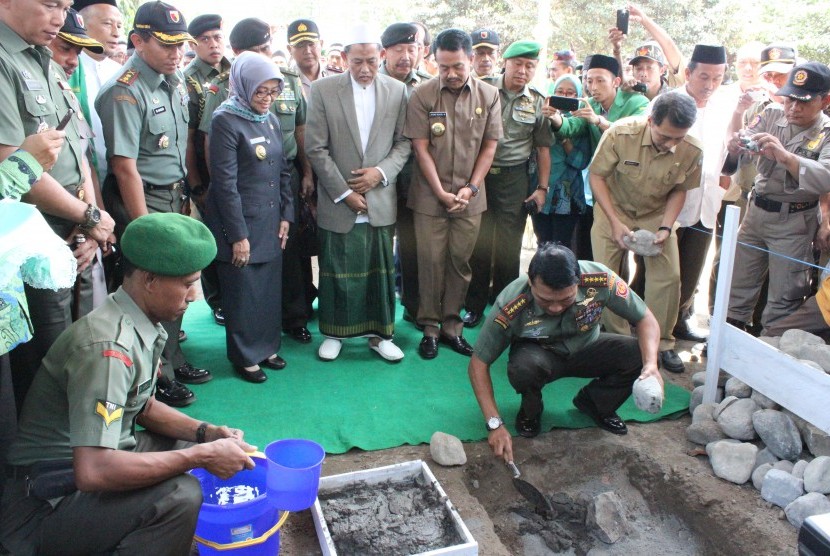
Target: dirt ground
675, 505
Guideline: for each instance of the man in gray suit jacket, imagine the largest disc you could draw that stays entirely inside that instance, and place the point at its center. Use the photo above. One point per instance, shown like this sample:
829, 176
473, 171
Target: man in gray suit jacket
355, 142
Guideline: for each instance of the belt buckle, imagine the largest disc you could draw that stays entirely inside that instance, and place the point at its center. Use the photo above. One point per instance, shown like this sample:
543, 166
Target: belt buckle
176, 186
495, 170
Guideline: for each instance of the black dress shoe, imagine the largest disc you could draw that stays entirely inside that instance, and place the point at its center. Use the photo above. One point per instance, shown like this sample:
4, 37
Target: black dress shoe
301, 334
276, 362
188, 374
528, 426
219, 316
182, 336
671, 361
611, 423
682, 331
428, 348
471, 319
256, 376
458, 344
173, 393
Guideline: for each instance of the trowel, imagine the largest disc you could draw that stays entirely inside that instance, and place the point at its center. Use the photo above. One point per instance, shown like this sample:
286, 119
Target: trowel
531, 493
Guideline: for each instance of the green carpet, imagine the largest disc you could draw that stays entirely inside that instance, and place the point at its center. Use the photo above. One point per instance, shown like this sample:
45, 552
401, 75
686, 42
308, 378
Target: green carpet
362, 401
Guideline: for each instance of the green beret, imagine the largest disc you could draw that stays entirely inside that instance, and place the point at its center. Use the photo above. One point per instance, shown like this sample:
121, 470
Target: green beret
169, 244
523, 49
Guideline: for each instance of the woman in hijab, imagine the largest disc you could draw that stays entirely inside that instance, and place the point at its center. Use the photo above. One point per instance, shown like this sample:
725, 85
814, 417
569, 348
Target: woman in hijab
248, 208
565, 205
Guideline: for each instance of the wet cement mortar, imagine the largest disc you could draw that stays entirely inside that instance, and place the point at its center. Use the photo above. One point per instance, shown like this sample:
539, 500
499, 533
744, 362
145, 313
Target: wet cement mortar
673, 502
392, 517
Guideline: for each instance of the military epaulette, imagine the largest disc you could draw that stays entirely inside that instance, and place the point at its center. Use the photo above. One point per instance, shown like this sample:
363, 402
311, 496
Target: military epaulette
128, 77
222, 77
595, 279
512, 308
534, 91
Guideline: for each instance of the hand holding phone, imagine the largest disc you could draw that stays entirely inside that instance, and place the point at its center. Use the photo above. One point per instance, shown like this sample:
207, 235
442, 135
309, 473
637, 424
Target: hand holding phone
566, 104
65, 121
622, 20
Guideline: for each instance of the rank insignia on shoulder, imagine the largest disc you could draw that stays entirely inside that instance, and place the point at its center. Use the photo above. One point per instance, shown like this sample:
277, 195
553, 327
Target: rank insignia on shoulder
117, 355
597, 279
109, 411
515, 306
129, 77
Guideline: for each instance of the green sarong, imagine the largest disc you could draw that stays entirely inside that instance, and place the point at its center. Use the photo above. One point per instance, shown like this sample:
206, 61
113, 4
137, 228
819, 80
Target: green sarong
356, 295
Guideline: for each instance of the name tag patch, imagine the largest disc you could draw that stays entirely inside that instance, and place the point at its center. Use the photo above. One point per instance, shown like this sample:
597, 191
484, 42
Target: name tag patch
159, 110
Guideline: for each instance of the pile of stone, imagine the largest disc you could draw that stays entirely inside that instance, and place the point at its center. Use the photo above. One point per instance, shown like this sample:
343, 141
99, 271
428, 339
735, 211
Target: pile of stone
749, 437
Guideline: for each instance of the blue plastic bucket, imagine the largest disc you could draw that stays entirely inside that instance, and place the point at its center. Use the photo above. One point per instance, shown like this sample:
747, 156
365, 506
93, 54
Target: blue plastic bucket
293, 473
249, 527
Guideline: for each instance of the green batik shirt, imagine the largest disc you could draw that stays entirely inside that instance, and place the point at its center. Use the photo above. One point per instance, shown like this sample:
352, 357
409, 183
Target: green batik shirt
524, 125
516, 316
34, 94
198, 75
144, 115
290, 108
92, 385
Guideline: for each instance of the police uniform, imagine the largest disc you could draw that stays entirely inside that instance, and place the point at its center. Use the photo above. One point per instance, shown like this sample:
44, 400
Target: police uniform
545, 348
94, 383
499, 244
144, 116
35, 95
782, 216
639, 181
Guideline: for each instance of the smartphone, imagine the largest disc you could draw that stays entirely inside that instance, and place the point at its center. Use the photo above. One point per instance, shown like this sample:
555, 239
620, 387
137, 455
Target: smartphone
622, 21
65, 121
641, 88
566, 104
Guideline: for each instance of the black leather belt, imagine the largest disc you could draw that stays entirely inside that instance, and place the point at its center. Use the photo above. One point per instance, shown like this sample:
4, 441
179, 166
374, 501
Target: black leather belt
175, 186
775, 206
496, 170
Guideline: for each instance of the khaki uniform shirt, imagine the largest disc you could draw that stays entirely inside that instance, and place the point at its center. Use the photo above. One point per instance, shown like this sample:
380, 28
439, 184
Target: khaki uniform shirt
516, 316
93, 383
456, 126
412, 80
523, 123
306, 82
34, 92
811, 145
640, 178
290, 108
198, 75
144, 116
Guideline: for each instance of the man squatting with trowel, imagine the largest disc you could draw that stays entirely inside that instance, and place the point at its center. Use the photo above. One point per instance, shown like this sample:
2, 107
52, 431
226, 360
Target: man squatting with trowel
550, 319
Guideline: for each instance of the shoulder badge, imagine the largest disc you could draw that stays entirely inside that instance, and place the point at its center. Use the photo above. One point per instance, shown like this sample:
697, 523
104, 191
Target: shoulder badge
595, 279
118, 355
129, 77
109, 411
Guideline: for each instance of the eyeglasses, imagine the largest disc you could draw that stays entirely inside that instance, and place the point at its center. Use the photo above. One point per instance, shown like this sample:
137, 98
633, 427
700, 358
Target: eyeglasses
262, 93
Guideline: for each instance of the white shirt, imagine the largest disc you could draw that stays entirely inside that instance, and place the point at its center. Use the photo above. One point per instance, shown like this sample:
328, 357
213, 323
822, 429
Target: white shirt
96, 74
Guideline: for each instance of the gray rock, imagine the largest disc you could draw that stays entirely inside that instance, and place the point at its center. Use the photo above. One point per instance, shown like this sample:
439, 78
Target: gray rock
781, 488
703, 412
736, 419
697, 397
798, 469
704, 432
648, 395
792, 341
774, 341
819, 353
805, 506
763, 401
446, 449
778, 432
765, 456
817, 441
817, 475
714, 443
699, 379
606, 516
732, 461
726, 402
784, 465
758, 475
735, 387
811, 364
642, 243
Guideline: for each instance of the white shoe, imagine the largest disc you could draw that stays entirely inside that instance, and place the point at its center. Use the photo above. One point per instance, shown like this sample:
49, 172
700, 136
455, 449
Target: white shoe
388, 350
329, 349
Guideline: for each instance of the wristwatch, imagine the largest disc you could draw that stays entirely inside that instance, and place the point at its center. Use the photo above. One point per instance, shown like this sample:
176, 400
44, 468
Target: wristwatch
472, 188
92, 217
493, 423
